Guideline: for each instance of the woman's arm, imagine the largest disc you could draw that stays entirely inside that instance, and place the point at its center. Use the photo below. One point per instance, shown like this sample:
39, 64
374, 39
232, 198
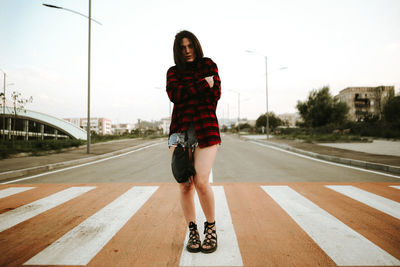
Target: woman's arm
181, 90
175, 90
210, 86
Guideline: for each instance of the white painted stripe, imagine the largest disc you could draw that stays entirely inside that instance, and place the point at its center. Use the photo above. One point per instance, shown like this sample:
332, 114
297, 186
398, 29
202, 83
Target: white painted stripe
341, 243
81, 244
395, 186
228, 252
26, 212
81, 165
13, 190
377, 202
327, 162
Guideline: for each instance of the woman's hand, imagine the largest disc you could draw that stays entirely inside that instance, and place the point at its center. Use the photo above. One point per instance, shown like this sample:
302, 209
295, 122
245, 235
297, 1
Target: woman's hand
210, 80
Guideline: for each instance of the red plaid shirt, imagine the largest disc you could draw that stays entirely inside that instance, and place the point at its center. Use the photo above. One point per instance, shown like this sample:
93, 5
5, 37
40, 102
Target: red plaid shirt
194, 100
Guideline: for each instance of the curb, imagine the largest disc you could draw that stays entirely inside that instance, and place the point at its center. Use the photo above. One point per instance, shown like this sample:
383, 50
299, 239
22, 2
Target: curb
39, 169
346, 161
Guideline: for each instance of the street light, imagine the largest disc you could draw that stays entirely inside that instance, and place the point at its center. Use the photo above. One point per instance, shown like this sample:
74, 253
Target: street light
266, 85
89, 39
73, 11
4, 103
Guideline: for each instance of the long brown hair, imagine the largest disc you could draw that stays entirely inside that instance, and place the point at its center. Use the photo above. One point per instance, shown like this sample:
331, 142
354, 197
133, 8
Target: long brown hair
178, 56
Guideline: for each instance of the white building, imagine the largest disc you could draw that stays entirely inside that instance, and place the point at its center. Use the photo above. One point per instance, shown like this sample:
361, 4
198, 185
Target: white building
123, 128
289, 118
165, 123
101, 126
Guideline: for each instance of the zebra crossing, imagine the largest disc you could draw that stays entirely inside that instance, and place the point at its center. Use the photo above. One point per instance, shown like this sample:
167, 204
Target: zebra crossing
343, 245
327, 224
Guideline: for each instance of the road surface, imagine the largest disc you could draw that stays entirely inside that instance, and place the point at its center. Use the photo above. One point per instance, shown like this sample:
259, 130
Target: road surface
258, 224
273, 208
237, 161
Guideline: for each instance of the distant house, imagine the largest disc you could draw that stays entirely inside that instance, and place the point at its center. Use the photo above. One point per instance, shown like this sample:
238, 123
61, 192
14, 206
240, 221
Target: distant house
122, 128
100, 126
289, 119
365, 101
165, 123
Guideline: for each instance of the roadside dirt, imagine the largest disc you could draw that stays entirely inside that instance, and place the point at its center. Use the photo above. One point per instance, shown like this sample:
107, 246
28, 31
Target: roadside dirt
338, 152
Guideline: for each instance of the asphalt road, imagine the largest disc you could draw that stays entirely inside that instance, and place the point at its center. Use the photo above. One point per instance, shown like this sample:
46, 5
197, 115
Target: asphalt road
237, 161
119, 211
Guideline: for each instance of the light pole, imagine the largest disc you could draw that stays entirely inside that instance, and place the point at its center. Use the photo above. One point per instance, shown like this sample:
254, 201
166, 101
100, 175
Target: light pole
4, 103
89, 42
266, 85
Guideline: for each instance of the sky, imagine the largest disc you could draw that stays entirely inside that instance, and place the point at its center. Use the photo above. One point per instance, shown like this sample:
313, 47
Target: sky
335, 43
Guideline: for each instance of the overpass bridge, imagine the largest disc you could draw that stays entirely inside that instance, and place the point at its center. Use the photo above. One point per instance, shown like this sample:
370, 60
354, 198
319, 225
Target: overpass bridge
31, 124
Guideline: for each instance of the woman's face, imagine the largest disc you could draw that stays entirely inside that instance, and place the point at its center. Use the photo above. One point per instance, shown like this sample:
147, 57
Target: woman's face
188, 50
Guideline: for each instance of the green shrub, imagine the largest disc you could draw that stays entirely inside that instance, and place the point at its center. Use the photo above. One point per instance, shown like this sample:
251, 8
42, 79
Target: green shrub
36, 147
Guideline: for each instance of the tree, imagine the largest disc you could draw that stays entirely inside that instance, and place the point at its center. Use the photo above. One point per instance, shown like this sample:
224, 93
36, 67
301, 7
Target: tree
391, 110
273, 121
18, 105
321, 108
245, 127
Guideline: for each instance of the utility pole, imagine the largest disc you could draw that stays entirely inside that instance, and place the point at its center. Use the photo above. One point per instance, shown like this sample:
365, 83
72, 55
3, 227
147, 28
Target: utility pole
89, 42
266, 89
4, 107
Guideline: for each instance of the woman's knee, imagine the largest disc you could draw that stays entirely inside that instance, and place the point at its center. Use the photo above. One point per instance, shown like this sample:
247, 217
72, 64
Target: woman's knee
202, 184
186, 188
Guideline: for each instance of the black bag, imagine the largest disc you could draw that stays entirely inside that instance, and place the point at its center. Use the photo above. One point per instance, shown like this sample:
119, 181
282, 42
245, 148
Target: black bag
182, 167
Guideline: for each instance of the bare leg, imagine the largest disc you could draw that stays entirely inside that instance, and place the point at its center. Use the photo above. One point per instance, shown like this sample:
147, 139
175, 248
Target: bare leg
187, 203
203, 161
187, 197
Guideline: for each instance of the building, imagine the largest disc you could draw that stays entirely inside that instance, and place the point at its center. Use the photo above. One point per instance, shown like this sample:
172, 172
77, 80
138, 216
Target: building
101, 126
227, 122
32, 125
165, 123
289, 119
365, 101
122, 128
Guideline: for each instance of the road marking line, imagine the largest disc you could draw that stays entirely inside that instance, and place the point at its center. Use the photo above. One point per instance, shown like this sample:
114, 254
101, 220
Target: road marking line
377, 202
28, 211
228, 252
327, 162
81, 165
395, 186
341, 243
13, 190
81, 244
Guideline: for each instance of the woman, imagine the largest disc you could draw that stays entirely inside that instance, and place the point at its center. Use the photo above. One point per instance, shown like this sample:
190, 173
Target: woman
193, 85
